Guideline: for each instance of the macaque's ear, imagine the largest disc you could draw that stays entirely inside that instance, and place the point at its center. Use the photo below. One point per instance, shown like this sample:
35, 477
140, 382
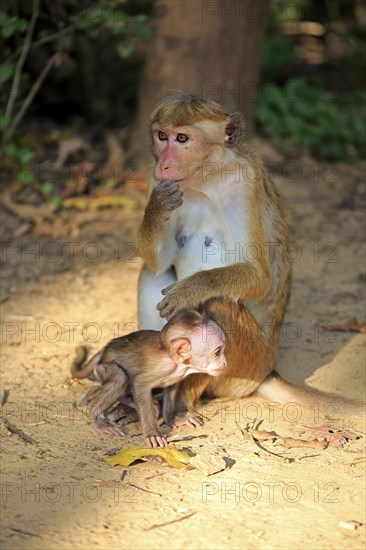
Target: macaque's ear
234, 130
180, 349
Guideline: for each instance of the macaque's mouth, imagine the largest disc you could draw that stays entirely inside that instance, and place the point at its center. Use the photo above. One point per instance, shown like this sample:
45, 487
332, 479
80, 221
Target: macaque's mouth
216, 372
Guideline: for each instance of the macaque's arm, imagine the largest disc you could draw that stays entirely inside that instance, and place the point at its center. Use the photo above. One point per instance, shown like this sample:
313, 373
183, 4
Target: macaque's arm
249, 281
155, 237
145, 405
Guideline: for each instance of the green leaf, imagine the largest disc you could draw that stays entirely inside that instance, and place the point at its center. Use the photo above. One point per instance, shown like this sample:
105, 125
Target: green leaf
55, 200
25, 154
10, 27
11, 150
6, 71
4, 122
22, 25
46, 188
25, 176
127, 50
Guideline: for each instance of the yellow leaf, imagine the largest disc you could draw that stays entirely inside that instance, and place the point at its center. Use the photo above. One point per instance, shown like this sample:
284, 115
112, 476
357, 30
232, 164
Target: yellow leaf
171, 455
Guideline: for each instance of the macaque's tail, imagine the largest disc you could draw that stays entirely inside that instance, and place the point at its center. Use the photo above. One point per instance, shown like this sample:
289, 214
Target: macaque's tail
78, 370
275, 388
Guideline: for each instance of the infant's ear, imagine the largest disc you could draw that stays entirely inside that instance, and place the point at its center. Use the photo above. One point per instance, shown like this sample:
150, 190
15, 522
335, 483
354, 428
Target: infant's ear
180, 349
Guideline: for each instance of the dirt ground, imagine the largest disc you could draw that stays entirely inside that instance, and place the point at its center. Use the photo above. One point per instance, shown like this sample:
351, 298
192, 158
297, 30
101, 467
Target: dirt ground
57, 491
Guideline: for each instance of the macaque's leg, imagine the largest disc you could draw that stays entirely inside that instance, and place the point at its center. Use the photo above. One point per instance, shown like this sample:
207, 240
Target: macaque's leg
149, 294
89, 396
169, 411
110, 392
144, 402
129, 402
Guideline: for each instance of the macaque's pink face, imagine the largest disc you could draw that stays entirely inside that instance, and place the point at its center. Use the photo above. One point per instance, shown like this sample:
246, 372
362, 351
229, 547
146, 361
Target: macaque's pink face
176, 150
208, 347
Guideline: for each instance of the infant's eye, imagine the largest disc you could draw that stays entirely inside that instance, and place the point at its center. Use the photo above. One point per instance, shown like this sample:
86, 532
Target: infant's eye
162, 136
218, 352
182, 138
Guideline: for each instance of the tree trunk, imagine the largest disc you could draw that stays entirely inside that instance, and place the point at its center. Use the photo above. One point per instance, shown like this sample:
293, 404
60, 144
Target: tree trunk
209, 48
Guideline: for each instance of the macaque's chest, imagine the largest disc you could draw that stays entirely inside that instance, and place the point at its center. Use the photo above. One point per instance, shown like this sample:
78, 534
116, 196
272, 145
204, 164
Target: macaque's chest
208, 234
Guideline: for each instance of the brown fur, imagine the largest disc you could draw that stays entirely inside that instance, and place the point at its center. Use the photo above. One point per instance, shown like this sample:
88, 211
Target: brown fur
242, 297
147, 359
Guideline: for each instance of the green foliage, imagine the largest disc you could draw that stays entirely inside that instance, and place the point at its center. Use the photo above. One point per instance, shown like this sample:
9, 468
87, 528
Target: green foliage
301, 113
111, 17
10, 25
24, 154
277, 51
120, 24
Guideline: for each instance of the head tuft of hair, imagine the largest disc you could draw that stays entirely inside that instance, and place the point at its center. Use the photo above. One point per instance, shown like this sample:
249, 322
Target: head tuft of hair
185, 109
185, 321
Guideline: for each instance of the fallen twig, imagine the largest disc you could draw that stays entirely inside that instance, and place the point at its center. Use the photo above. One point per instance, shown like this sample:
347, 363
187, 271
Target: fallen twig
352, 325
143, 490
157, 525
24, 532
4, 397
15, 430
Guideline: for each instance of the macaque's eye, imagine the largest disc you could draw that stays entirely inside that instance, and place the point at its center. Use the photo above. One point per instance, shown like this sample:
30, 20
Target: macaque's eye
218, 351
182, 138
162, 136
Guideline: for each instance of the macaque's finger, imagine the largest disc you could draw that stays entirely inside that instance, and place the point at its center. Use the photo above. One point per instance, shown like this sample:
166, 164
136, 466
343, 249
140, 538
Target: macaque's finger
190, 422
194, 421
155, 441
168, 289
163, 304
165, 309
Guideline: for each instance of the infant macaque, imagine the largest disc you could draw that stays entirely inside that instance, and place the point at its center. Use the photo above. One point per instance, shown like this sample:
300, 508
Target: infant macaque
138, 362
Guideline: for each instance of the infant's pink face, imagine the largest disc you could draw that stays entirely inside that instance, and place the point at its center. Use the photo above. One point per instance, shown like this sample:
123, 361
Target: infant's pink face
208, 347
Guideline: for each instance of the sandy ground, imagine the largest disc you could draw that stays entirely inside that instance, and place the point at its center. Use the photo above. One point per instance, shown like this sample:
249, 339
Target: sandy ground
57, 491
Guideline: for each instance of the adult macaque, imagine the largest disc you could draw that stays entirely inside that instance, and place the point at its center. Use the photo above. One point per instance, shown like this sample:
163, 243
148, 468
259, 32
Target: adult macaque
188, 343
215, 238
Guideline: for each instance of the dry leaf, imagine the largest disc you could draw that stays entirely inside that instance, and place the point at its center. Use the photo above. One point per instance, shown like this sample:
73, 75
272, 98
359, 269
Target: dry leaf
68, 147
292, 443
352, 325
334, 437
93, 203
171, 455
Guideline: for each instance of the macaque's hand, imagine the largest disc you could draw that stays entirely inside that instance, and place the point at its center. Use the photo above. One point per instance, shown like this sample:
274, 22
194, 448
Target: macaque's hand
179, 296
188, 420
166, 197
154, 441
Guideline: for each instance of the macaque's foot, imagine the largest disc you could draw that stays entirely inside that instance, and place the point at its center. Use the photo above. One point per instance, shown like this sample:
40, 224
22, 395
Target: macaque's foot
156, 408
128, 414
105, 426
91, 394
188, 420
154, 441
